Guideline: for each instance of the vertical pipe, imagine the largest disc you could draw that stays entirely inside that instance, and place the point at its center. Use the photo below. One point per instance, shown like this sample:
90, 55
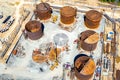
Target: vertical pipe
114, 52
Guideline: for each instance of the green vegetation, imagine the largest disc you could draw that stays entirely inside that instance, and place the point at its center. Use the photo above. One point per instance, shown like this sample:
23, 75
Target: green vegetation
119, 3
112, 1
109, 0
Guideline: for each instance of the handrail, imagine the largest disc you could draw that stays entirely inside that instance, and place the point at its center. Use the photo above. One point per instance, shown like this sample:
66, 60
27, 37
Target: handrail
108, 18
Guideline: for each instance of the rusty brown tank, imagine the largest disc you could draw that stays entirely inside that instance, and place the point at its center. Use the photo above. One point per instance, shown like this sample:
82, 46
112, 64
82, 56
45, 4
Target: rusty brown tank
34, 29
84, 67
88, 41
67, 14
117, 74
92, 19
43, 11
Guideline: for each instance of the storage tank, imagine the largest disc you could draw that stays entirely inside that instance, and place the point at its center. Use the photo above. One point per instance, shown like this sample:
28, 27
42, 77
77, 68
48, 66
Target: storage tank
84, 67
34, 29
67, 14
92, 19
43, 11
88, 40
